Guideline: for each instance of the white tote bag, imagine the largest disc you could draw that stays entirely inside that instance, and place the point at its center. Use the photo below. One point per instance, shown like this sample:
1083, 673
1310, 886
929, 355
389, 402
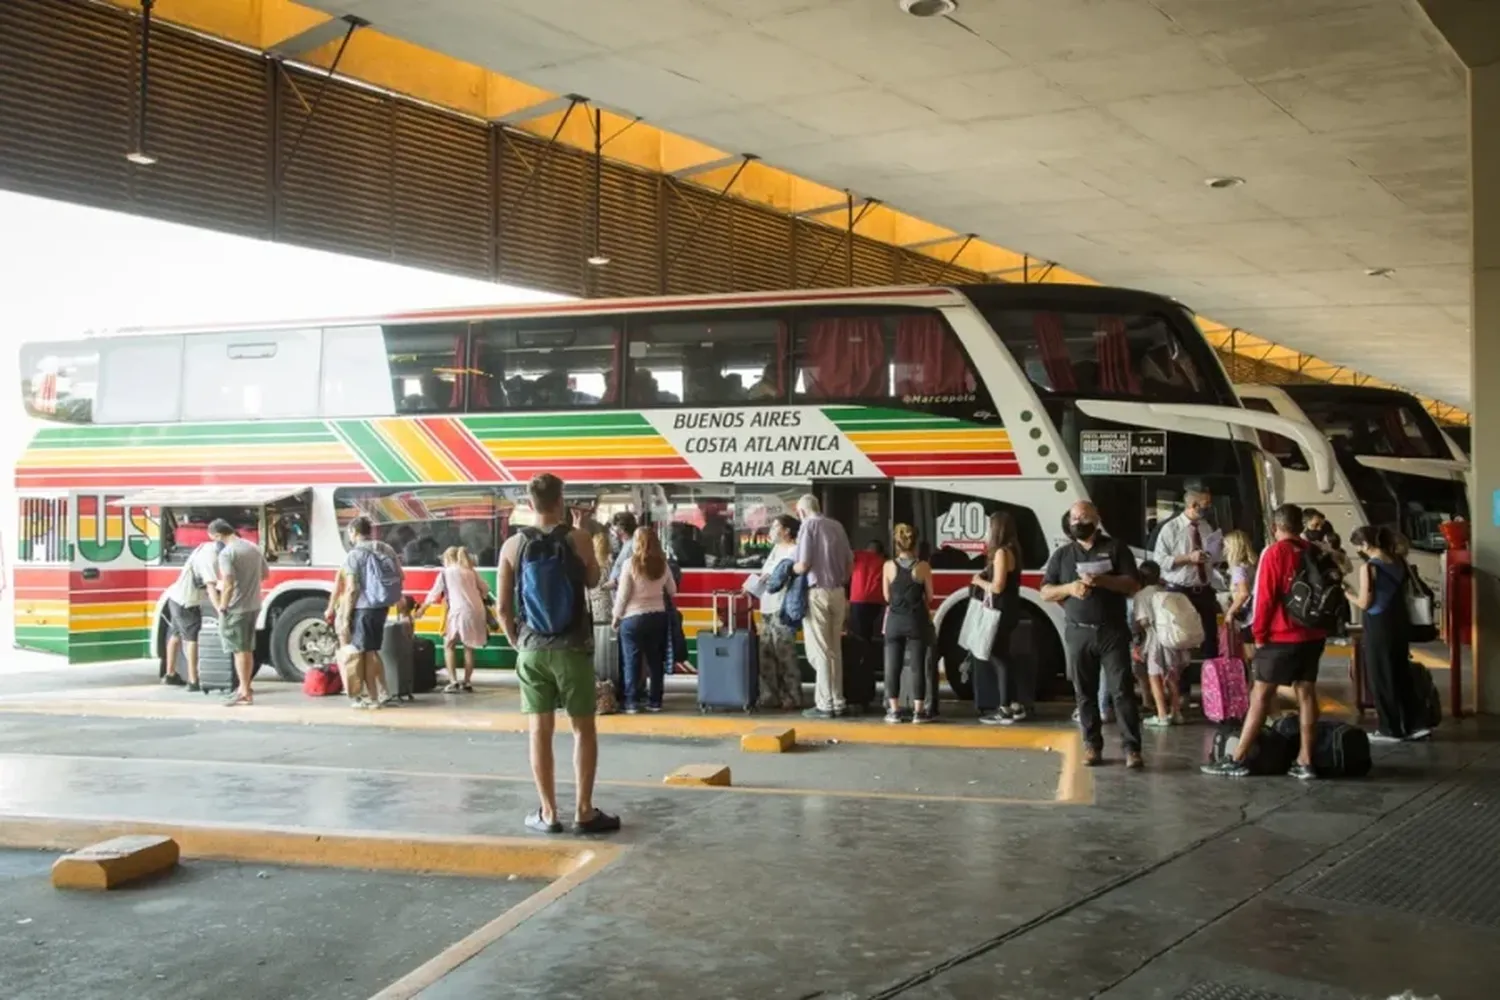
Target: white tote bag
977, 634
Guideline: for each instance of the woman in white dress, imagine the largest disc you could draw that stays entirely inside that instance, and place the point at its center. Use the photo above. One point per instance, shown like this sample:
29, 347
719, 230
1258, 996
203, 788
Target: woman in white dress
465, 620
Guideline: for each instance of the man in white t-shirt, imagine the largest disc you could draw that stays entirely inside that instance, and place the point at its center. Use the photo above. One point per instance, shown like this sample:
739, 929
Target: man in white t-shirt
184, 610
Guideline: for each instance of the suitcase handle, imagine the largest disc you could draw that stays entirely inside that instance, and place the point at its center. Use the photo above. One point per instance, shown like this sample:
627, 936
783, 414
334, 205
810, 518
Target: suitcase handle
731, 597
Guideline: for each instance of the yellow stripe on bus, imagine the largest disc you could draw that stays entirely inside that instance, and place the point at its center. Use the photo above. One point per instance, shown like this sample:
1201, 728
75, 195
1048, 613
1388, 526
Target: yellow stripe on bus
932, 441
237, 453
629, 447
106, 624
419, 451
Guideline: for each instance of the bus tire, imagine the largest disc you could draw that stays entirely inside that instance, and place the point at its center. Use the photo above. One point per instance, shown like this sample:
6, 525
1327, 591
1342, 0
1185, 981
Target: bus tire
300, 638
1034, 636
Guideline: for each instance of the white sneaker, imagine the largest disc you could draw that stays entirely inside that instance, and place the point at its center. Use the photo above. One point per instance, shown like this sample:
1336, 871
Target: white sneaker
1384, 738
1420, 734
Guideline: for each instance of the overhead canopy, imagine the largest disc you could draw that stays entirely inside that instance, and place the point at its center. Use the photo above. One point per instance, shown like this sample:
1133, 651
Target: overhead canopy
207, 496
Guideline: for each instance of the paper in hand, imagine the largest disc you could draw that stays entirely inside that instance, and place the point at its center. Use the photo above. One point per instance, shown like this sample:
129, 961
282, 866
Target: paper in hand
1095, 567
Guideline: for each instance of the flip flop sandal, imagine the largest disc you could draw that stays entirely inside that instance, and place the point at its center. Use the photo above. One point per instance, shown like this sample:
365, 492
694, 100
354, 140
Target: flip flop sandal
453, 689
536, 824
600, 822
468, 688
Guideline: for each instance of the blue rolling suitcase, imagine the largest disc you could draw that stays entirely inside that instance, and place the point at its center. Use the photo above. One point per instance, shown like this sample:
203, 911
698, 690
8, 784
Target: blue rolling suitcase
728, 662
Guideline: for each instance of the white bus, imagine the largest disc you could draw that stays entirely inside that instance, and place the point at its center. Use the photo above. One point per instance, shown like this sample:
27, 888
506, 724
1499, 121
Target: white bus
705, 415
1394, 464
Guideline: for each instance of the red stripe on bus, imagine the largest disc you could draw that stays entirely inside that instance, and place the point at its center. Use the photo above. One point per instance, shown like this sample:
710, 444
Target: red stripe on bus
455, 438
938, 470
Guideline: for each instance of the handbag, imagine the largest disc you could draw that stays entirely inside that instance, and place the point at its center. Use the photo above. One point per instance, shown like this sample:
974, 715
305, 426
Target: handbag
981, 624
1421, 617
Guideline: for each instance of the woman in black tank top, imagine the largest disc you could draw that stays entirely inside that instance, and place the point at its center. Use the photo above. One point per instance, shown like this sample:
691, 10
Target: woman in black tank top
1004, 688
907, 581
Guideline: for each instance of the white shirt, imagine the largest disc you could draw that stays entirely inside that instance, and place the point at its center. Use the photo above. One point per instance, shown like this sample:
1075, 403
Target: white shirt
202, 567
1176, 539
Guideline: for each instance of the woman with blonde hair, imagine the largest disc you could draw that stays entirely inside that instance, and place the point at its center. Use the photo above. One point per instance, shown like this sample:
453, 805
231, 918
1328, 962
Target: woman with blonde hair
906, 583
1239, 554
640, 614
1007, 677
465, 620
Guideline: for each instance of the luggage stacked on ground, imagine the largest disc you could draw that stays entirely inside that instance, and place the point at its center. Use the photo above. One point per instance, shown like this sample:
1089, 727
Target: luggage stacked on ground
1272, 753
1341, 750
423, 666
396, 656
728, 661
860, 655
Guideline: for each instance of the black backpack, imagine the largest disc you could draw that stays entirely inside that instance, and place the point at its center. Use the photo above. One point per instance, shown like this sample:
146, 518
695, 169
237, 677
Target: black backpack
1316, 598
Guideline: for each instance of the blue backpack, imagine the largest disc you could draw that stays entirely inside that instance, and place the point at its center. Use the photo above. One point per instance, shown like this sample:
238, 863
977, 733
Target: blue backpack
549, 580
379, 576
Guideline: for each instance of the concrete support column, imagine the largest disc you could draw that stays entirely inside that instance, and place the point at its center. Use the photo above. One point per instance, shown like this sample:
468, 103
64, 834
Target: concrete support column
1484, 166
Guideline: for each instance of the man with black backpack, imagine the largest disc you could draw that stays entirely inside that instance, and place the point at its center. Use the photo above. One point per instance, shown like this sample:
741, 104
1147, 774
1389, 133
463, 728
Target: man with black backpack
543, 572
1298, 599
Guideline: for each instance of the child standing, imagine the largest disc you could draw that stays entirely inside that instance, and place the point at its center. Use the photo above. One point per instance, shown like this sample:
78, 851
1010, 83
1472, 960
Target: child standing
1163, 665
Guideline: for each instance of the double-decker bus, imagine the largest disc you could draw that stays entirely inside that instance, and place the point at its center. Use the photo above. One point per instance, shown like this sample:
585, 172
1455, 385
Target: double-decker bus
1394, 464
705, 416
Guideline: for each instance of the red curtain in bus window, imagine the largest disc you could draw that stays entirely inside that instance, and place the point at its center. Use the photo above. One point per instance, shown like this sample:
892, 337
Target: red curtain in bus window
929, 362
1054, 351
782, 337
1112, 345
844, 359
469, 374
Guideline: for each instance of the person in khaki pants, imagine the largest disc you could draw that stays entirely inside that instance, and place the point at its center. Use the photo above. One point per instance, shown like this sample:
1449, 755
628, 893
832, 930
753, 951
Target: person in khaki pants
824, 557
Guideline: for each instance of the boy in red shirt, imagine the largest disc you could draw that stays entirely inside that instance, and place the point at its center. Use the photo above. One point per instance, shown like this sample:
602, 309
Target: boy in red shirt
867, 593
1287, 652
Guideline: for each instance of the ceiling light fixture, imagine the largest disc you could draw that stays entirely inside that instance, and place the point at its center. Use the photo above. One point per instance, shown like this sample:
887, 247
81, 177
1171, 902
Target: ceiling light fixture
139, 158
928, 8
137, 154
1379, 272
598, 260
1220, 183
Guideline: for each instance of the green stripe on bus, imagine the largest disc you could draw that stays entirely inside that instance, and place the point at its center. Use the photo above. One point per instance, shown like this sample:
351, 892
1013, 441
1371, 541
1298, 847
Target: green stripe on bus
109, 635
846, 420
116, 651
272, 432
43, 644
602, 420
378, 456
505, 434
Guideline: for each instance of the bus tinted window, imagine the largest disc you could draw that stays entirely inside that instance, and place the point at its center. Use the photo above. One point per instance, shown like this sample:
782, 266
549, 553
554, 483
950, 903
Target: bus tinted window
530, 365
708, 362
697, 523
1375, 426
60, 381
1093, 354
421, 522
955, 525
425, 361
911, 357
1283, 449
42, 535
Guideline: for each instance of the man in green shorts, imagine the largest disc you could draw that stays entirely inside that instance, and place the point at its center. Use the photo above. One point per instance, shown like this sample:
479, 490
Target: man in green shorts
242, 570
543, 571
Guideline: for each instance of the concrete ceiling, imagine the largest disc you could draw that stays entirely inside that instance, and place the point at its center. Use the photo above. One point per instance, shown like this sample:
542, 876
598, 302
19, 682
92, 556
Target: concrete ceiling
1080, 131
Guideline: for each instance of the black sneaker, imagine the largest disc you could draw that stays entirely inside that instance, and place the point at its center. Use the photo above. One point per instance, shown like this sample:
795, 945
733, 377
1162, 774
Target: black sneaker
1225, 769
194, 686
173, 680
921, 717
1303, 772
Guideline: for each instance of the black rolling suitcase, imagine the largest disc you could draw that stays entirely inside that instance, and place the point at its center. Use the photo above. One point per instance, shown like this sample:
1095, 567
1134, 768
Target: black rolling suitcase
728, 662
423, 666
1274, 752
396, 657
859, 671
1340, 750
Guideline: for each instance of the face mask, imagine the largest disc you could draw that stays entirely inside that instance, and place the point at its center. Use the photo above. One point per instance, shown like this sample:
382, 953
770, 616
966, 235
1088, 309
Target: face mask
1084, 530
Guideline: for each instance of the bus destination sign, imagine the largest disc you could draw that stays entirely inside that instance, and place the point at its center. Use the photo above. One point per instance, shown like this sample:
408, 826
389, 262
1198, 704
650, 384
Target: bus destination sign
1122, 453
790, 444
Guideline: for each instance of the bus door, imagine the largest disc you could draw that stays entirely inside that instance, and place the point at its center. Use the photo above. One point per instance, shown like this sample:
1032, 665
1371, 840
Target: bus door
110, 607
863, 507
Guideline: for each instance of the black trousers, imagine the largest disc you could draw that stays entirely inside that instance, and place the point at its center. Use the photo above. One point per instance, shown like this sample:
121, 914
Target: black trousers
902, 651
864, 620
1385, 652
1104, 651
1016, 675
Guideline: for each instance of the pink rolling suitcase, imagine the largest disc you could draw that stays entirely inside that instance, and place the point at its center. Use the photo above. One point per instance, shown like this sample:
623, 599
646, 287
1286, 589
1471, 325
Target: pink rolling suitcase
1226, 694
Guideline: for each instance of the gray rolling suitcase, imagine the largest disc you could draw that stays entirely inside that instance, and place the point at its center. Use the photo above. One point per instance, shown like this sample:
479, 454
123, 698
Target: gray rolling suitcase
215, 667
607, 656
728, 662
397, 656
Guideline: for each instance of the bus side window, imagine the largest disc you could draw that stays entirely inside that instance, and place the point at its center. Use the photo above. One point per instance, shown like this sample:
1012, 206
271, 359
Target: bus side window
1283, 449
709, 362
424, 364
535, 364
288, 530
422, 522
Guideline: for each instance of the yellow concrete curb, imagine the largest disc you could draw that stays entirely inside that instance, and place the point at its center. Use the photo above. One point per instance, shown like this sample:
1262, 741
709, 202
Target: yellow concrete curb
712, 775
769, 739
115, 862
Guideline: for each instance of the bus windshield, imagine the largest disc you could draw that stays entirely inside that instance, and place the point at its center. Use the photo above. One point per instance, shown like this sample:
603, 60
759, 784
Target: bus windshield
1391, 424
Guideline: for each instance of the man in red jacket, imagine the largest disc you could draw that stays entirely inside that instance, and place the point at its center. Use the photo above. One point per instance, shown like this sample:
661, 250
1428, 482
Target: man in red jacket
1286, 651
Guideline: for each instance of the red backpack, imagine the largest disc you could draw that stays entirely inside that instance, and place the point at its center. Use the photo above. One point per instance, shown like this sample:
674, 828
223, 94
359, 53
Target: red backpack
320, 682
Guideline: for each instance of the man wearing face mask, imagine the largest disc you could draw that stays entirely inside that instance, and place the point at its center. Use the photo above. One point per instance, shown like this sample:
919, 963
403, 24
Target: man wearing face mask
1091, 577
1183, 553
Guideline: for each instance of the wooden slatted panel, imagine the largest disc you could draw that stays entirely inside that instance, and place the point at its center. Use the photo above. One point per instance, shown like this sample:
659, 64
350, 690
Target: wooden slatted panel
1248, 371
874, 262
821, 256
628, 230
67, 78
543, 223
442, 209
209, 105
337, 179
700, 250
763, 247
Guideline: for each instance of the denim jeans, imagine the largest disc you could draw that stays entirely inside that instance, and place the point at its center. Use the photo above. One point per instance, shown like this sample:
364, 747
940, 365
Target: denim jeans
643, 647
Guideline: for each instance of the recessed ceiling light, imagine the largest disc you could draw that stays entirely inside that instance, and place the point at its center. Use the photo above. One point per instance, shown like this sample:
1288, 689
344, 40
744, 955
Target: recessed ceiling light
1380, 272
140, 158
1224, 182
598, 260
928, 8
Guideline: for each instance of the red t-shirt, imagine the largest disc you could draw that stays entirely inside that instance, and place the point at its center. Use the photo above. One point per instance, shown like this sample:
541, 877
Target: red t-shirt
1273, 580
866, 585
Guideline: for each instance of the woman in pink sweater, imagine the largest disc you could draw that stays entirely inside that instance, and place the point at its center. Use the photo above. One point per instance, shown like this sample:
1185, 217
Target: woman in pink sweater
641, 618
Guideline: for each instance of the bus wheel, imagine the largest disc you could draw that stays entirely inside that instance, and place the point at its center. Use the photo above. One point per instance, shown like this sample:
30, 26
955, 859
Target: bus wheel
301, 639
953, 657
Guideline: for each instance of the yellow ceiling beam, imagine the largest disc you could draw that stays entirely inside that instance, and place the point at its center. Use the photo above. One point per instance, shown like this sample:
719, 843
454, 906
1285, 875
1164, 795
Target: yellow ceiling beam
404, 68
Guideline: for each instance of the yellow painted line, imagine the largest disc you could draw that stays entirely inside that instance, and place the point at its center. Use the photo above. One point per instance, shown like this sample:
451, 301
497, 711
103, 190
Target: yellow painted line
410, 443
1431, 661
567, 863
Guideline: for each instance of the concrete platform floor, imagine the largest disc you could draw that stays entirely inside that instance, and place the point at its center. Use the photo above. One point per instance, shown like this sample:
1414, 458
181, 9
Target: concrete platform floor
1168, 885
211, 930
